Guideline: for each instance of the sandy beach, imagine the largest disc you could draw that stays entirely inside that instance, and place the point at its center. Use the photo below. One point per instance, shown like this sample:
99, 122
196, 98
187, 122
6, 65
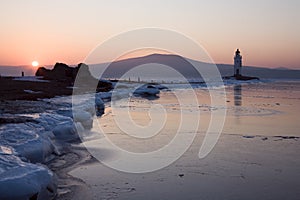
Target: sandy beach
256, 156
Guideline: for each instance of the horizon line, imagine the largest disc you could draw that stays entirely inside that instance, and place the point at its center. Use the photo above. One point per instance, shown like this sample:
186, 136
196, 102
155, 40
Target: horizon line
143, 56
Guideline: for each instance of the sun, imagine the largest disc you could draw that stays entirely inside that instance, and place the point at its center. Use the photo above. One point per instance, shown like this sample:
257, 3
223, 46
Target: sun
35, 63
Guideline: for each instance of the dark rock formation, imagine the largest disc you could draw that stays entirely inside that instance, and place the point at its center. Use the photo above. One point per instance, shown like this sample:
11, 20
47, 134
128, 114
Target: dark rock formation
68, 75
60, 71
245, 78
241, 78
59, 83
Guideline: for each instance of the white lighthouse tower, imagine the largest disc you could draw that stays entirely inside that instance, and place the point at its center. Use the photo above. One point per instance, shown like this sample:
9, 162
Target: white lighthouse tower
237, 64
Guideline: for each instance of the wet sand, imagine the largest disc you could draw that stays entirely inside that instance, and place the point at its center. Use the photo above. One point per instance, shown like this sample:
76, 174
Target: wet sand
256, 156
70, 187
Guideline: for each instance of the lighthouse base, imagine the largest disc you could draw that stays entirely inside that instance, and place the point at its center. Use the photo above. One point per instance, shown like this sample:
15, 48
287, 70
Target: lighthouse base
241, 78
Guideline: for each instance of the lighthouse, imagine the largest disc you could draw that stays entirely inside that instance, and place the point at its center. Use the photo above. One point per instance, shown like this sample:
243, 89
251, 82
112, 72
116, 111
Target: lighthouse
237, 64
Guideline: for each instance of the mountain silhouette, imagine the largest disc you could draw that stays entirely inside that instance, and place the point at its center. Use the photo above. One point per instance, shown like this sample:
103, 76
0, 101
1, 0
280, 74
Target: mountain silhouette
183, 66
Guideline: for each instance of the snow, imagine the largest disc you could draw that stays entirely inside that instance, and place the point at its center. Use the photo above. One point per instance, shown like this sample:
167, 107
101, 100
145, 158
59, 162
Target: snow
30, 78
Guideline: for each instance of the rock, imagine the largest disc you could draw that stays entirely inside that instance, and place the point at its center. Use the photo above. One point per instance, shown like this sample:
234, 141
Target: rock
248, 136
60, 71
240, 78
67, 75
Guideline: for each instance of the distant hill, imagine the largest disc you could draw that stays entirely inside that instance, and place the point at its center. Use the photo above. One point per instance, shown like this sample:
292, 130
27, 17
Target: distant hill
184, 66
151, 68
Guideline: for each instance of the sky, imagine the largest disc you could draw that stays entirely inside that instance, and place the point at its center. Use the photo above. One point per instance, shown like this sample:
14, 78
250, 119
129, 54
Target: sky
49, 31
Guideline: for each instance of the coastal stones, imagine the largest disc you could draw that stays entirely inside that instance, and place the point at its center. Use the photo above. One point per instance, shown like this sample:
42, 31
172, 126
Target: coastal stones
67, 75
51, 83
60, 71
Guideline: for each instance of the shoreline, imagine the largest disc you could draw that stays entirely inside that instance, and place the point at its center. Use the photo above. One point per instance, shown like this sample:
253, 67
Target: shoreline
69, 187
75, 157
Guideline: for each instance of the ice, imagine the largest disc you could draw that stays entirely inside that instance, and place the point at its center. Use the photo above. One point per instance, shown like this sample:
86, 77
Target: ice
50, 120
104, 95
62, 127
84, 117
22, 145
65, 132
100, 104
26, 141
146, 90
86, 106
21, 180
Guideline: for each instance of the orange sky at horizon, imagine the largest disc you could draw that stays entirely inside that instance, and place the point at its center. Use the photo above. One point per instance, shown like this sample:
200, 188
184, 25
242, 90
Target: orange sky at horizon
267, 33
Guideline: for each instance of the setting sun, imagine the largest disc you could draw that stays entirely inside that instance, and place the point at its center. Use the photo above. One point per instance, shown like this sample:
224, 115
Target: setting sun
35, 63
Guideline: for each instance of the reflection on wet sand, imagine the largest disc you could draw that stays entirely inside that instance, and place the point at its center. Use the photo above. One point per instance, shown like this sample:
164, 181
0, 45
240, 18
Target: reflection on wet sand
237, 91
253, 155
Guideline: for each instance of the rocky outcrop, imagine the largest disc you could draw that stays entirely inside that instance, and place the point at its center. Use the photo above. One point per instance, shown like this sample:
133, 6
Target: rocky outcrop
60, 71
65, 74
240, 78
245, 78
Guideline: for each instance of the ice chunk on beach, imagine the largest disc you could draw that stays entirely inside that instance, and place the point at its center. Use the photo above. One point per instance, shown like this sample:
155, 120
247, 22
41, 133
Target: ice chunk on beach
86, 106
147, 90
31, 181
103, 95
84, 117
26, 141
68, 132
99, 104
50, 120
62, 127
